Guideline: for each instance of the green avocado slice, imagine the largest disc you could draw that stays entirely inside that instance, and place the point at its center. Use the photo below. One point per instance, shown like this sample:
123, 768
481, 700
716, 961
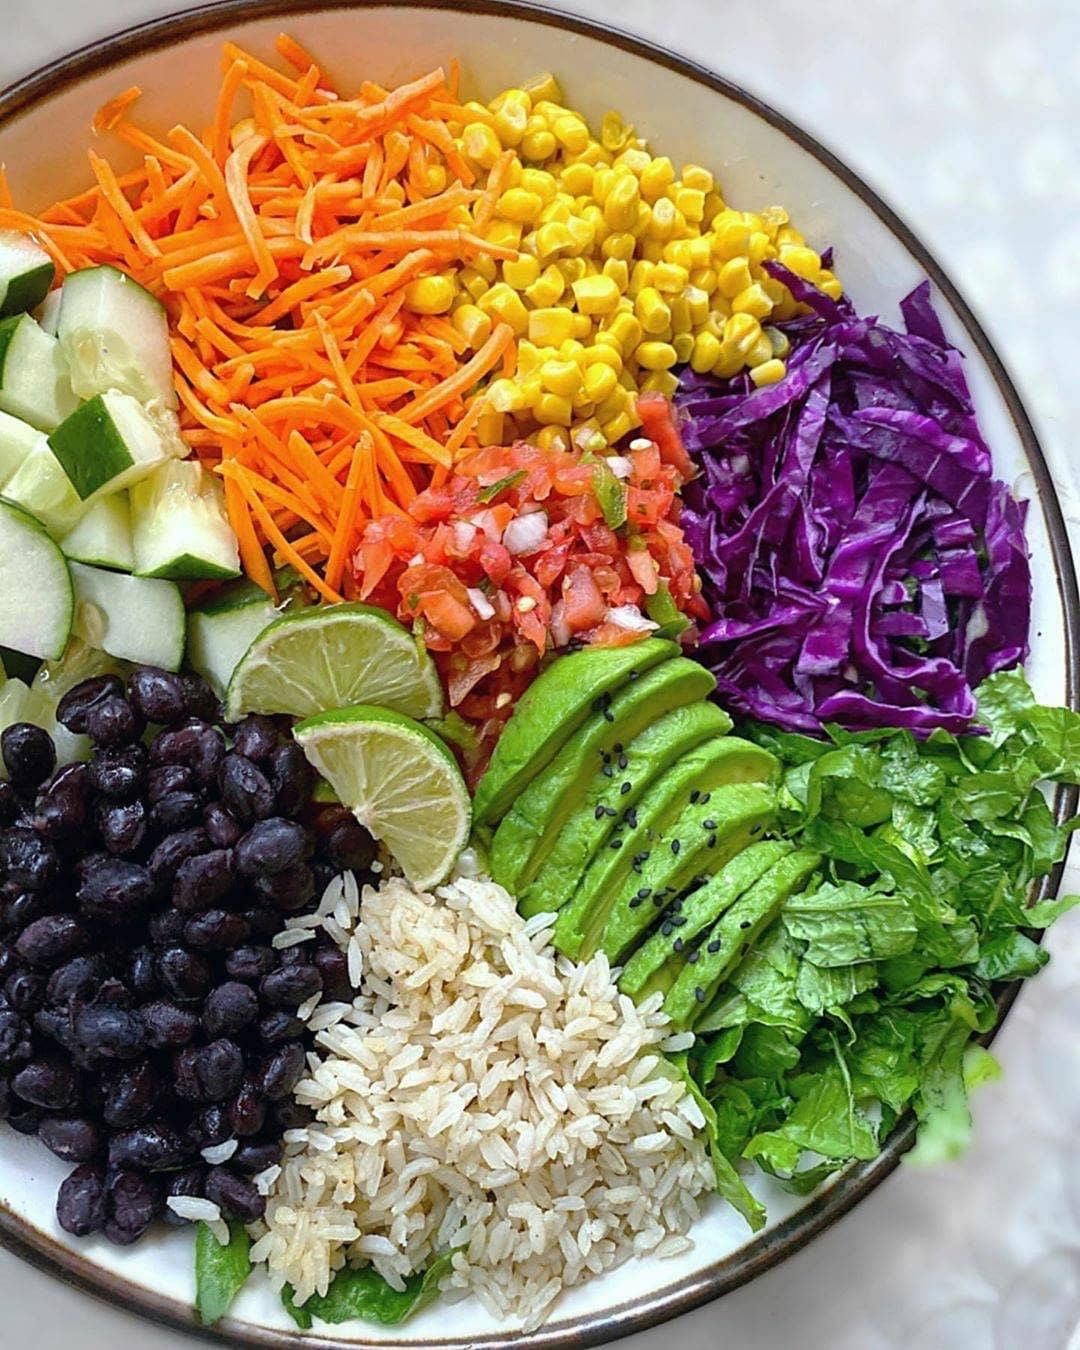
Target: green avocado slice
593, 820
699, 842
551, 710
713, 765
654, 965
534, 820
732, 936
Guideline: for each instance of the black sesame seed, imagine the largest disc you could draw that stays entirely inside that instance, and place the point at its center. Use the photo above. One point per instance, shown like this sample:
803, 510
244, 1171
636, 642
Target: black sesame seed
712, 841
644, 892
658, 899
693, 956
608, 771
623, 761
630, 816
642, 857
708, 825
705, 798
617, 747
678, 920
633, 675
635, 901
714, 946
695, 795
678, 945
699, 994
599, 813
676, 845
615, 843
745, 923
665, 928
609, 716
625, 788
610, 810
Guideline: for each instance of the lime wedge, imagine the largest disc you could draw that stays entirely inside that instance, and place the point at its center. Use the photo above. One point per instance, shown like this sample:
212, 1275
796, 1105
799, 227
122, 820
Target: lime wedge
333, 656
400, 782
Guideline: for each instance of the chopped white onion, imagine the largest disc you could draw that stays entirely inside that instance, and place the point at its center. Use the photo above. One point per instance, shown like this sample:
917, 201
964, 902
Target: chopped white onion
560, 629
481, 603
464, 533
525, 534
620, 466
485, 520
739, 464
630, 618
641, 443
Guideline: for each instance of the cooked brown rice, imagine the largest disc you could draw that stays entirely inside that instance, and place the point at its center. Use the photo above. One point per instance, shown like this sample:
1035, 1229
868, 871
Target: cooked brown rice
481, 1093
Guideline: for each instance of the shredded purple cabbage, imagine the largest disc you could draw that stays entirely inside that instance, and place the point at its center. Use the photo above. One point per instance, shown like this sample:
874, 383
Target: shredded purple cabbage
862, 564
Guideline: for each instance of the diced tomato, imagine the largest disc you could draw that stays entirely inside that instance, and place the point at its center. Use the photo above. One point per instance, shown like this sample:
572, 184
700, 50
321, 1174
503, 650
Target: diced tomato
583, 602
453, 619
658, 423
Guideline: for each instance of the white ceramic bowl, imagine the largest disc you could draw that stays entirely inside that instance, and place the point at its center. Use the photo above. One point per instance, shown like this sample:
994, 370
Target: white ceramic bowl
759, 158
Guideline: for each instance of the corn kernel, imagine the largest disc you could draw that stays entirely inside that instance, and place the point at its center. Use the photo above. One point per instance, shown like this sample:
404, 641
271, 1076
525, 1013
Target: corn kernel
652, 311
559, 211
769, 372
733, 277
691, 202
554, 408
577, 179
706, 352
640, 276
489, 427
430, 295
472, 323
730, 361
519, 205
706, 278
561, 377
473, 282
571, 132
760, 352
549, 327
626, 330
752, 300
670, 278
697, 305
779, 342
596, 294
599, 382
511, 115
760, 247
655, 355
603, 352
804, 262
621, 203
634, 159
552, 437
774, 217
714, 205
521, 271
505, 304
506, 233
684, 345
538, 145
552, 238
530, 357
543, 184
582, 234
573, 269
680, 314
788, 234
666, 220
741, 331
583, 327
775, 290
547, 289
603, 181
479, 145
504, 396
730, 235
617, 427
543, 87
595, 154
614, 133
660, 382
694, 176
832, 288
619, 245
656, 177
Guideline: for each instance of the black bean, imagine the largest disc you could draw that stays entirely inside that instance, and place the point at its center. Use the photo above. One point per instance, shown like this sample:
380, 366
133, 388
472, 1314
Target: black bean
114, 890
142, 972
81, 1201
132, 1097
118, 772
209, 1125
113, 721
222, 828
263, 920
280, 1071
28, 753
72, 1138
25, 1119
26, 861
24, 991
229, 1009
75, 979
47, 1083
189, 1182
270, 846
168, 1026
216, 930
176, 811
288, 1115
21, 910
292, 776
9, 962
185, 1080
250, 963
158, 695
237, 1198
350, 847
55, 1025
72, 709
61, 809
10, 805
219, 1069
256, 737
183, 975
165, 778
289, 890
203, 880
16, 1046
52, 939
334, 969
121, 825
166, 927
174, 850
110, 1032
197, 745
245, 789
290, 986
252, 1157
247, 1112
134, 1202
200, 700
153, 1148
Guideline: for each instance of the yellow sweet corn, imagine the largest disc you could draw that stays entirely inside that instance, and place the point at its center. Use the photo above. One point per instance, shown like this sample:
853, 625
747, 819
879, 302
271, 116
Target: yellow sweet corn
520, 205
521, 272
734, 277
430, 295
599, 382
547, 289
554, 408
597, 294
621, 202
769, 372
480, 144
753, 300
504, 303
549, 327
656, 177
705, 353
561, 377
652, 311
472, 323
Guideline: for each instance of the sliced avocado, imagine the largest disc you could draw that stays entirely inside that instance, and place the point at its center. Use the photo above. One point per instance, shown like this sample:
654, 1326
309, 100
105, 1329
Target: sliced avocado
700, 841
551, 710
533, 822
593, 820
732, 936
713, 765
654, 965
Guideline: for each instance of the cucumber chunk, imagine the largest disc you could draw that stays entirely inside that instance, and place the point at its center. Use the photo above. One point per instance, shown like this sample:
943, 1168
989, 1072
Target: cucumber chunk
108, 441
36, 599
40, 485
221, 629
48, 312
34, 382
115, 335
138, 619
179, 524
26, 273
103, 536
17, 439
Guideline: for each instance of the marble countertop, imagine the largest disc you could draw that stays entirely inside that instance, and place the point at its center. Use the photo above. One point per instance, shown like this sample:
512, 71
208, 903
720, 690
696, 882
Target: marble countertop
963, 116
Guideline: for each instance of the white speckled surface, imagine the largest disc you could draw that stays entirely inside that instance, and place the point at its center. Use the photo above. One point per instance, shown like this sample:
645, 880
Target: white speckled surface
964, 116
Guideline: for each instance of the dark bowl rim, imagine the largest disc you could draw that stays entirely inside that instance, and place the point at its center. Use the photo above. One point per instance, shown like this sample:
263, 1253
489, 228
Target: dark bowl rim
790, 1236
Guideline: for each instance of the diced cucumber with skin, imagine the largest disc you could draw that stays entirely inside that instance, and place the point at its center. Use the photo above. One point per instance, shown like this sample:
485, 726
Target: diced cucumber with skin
221, 629
108, 442
179, 526
36, 597
34, 382
17, 439
138, 619
103, 536
26, 273
48, 312
115, 335
40, 485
